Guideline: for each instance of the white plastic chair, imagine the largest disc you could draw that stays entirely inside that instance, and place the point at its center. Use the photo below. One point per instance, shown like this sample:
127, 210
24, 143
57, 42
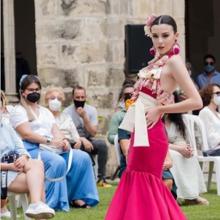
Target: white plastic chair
118, 155
214, 161
13, 204
117, 149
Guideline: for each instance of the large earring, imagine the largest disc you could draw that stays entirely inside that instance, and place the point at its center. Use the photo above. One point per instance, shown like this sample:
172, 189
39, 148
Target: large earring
152, 51
176, 48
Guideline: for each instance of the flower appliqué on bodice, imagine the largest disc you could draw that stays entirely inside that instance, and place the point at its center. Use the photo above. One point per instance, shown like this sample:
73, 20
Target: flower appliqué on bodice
149, 76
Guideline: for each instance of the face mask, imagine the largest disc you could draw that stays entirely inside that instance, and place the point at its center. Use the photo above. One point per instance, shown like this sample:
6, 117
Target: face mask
216, 100
33, 97
209, 68
79, 103
127, 96
55, 105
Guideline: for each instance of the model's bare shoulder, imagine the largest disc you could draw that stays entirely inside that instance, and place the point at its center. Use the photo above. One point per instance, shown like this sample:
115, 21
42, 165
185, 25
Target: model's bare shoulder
176, 64
176, 60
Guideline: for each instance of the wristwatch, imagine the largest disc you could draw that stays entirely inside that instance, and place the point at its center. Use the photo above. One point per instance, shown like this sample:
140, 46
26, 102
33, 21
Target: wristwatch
48, 140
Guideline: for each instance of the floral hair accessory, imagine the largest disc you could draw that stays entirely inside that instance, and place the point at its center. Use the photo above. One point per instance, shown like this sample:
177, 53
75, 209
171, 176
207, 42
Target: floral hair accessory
149, 21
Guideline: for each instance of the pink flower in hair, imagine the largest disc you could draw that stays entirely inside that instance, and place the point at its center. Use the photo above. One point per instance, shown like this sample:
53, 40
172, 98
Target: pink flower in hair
150, 19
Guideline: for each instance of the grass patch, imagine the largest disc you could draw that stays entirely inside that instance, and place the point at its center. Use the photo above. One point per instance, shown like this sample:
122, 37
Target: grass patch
195, 212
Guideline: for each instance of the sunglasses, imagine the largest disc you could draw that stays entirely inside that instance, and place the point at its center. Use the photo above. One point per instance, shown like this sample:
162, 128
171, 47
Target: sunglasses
217, 93
209, 63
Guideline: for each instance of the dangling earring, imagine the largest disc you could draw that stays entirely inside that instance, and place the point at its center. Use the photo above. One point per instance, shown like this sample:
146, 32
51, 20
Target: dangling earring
152, 51
176, 49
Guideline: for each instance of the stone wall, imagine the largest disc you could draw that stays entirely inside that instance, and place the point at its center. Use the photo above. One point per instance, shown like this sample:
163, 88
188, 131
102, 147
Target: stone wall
82, 41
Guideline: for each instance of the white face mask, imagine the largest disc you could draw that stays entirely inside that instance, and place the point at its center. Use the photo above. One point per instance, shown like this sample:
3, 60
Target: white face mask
55, 105
216, 100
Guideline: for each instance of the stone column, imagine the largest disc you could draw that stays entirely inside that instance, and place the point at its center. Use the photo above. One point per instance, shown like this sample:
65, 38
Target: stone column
9, 50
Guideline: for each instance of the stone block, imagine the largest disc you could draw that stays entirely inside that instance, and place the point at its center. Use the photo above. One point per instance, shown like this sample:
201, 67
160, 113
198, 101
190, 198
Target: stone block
113, 7
47, 54
94, 29
115, 27
82, 7
45, 8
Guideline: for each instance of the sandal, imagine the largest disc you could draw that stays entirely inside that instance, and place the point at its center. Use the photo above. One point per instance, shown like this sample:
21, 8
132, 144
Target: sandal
75, 205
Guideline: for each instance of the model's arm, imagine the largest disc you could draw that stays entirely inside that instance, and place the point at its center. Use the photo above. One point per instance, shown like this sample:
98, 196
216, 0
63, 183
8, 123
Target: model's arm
181, 76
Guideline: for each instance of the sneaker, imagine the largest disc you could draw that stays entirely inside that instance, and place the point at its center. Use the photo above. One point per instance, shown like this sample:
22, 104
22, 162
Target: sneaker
103, 183
5, 214
39, 210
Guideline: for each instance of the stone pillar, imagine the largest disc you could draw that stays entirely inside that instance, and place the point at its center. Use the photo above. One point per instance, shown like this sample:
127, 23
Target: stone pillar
9, 50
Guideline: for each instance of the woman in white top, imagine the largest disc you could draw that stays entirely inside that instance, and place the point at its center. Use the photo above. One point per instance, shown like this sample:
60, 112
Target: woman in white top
211, 117
36, 126
186, 169
81, 185
23, 174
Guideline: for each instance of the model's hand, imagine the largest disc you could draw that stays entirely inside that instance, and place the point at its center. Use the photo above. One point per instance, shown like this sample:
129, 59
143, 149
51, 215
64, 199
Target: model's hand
87, 144
152, 116
164, 97
20, 162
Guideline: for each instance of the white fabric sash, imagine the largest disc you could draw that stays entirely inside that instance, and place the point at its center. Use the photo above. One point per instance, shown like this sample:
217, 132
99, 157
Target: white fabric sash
135, 119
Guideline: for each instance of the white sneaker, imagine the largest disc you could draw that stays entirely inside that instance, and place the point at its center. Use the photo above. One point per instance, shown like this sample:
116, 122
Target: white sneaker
39, 210
5, 214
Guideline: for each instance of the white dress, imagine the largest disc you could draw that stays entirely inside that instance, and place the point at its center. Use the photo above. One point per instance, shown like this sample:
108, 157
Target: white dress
212, 125
186, 171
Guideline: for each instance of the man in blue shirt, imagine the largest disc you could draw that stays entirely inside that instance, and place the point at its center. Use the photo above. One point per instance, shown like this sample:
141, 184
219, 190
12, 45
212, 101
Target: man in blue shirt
209, 74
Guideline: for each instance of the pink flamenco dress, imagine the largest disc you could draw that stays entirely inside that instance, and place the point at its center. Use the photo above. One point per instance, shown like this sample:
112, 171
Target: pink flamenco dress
141, 193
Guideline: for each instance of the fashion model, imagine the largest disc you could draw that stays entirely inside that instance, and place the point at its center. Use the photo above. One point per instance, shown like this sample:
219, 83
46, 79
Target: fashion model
141, 194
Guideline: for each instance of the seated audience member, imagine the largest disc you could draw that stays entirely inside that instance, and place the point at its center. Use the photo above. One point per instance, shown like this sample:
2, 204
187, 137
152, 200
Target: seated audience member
211, 117
209, 75
85, 119
24, 175
125, 94
81, 185
37, 127
186, 169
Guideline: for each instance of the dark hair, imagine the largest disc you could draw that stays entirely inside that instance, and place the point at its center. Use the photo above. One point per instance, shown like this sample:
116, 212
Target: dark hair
206, 93
124, 86
177, 118
209, 56
79, 88
165, 19
27, 80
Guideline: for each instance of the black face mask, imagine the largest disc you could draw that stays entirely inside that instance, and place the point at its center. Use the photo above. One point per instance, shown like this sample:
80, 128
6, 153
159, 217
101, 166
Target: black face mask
79, 103
33, 97
127, 96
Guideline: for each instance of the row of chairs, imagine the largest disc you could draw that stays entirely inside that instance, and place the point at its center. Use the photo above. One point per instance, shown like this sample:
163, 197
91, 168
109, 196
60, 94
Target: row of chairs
192, 121
213, 161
